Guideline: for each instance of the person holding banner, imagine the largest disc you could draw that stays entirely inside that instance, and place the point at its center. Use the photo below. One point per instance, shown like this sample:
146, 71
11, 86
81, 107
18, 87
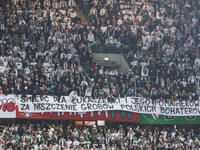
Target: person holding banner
73, 95
88, 91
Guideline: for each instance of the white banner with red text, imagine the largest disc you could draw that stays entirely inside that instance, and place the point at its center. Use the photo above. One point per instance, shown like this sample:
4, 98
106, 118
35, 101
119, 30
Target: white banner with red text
8, 106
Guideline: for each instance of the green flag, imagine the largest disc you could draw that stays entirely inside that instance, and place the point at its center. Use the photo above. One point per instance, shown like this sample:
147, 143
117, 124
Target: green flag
150, 119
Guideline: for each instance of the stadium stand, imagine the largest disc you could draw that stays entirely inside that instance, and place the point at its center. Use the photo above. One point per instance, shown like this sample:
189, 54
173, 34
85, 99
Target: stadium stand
45, 47
64, 136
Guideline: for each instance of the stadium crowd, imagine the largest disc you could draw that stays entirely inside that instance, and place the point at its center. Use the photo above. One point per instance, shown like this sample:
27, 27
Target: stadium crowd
44, 46
161, 39
54, 136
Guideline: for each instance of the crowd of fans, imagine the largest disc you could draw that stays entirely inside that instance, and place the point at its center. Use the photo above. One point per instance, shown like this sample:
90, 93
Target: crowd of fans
55, 136
161, 39
44, 47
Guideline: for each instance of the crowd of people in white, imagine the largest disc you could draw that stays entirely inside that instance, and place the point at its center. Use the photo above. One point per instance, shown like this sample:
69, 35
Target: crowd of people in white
56, 136
44, 46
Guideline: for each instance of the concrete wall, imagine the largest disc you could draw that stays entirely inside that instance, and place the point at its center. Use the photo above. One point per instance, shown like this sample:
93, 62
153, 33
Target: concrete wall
117, 59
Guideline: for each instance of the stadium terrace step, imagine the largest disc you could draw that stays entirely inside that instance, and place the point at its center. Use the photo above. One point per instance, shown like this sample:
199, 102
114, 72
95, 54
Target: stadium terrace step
81, 15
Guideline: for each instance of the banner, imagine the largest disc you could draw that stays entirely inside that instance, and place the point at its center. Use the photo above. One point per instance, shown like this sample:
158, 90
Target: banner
88, 104
35, 104
104, 115
151, 119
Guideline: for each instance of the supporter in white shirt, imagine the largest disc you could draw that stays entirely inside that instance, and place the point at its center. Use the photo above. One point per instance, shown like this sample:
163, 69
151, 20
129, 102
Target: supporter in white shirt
93, 12
192, 79
173, 134
103, 11
90, 37
63, 4
134, 63
19, 65
144, 63
84, 82
26, 43
10, 148
103, 28
101, 70
1, 144
73, 14
76, 143
110, 40
27, 70
197, 62
69, 142
189, 141
62, 142
73, 95
119, 21
16, 48
88, 91
114, 135
43, 145
55, 146
130, 134
181, 138
173, 29
110, 2
144, 72
71, 3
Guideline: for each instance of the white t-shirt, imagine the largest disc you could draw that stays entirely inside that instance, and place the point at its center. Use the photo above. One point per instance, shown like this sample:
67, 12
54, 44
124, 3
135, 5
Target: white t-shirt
76, 143
197, 61
88, 92
69, 142
90, 37
73, 95
182, 139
